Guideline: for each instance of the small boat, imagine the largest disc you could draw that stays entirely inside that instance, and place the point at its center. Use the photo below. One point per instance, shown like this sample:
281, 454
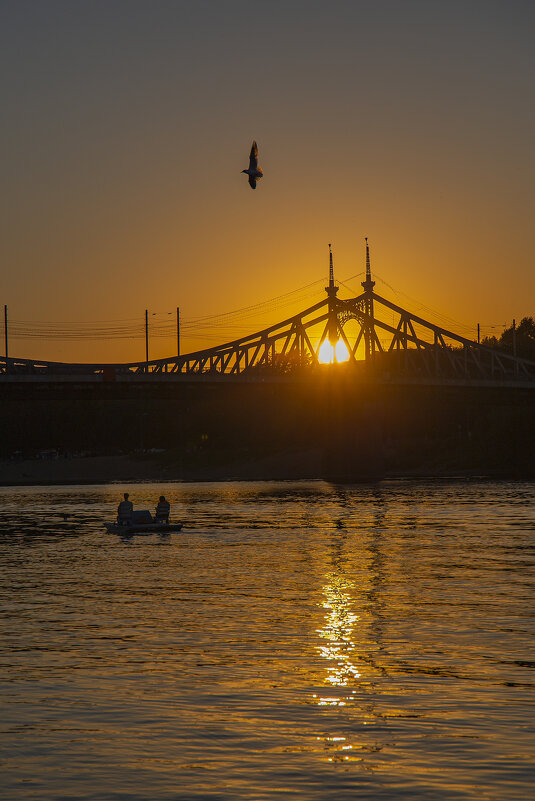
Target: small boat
143, 522
143, 528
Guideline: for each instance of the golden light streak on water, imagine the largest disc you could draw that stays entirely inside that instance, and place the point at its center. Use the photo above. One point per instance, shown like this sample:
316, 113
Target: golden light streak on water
340, 649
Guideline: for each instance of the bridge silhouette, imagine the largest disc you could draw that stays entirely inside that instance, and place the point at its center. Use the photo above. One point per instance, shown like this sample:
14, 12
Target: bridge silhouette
380, 340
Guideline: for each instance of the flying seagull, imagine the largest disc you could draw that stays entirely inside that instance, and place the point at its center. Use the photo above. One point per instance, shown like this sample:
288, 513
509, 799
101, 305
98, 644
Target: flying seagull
254, 172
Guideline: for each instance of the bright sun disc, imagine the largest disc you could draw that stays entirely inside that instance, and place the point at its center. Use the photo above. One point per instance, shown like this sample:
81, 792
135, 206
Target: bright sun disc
326, 352
342, 354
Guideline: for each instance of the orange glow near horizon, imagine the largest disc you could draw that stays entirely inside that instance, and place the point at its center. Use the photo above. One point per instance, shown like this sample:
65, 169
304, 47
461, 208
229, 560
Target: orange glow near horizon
146, 207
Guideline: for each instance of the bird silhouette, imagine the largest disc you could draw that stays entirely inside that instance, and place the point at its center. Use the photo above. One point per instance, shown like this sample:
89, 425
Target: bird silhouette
254, 172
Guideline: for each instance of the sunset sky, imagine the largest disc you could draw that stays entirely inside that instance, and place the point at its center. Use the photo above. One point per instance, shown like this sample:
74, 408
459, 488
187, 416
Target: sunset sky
125, 126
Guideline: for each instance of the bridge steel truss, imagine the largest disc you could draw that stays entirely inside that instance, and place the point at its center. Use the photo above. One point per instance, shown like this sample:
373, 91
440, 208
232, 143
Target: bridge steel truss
391, 343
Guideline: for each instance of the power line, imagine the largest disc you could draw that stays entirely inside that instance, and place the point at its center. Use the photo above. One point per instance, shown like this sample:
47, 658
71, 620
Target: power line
229, 324
127, 328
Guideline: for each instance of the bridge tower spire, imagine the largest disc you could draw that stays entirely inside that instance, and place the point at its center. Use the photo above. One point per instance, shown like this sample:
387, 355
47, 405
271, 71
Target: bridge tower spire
332, 291
369, 329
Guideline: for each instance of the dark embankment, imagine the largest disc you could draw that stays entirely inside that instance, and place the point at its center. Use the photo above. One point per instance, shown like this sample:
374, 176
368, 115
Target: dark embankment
327, 426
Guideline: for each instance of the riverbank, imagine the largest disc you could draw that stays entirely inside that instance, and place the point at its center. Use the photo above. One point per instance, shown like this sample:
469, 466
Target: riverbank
110, 469
339, 430
304, 465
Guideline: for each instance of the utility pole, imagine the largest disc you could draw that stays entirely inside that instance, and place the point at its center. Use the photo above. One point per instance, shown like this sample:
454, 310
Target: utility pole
177, 331
147, 339
5, 334
514, 348
478, 333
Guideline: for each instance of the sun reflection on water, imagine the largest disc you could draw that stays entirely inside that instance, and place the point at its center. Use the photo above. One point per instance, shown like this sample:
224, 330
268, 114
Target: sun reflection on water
339, 649
348, 644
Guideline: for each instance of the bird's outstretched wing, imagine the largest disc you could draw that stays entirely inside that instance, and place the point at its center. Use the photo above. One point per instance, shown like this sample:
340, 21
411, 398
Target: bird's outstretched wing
252, 182
253, 158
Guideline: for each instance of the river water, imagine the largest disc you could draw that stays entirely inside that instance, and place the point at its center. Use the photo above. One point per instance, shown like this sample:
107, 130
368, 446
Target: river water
296, 640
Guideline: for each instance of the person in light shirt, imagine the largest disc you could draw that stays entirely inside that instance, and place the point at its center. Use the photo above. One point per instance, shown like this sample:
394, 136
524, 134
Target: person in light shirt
162, 510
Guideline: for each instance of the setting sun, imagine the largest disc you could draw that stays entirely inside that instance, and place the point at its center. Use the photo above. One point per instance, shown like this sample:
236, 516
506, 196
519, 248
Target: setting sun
328, 354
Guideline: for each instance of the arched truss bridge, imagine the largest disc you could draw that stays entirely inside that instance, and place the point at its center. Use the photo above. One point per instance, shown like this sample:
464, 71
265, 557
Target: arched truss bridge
381, 339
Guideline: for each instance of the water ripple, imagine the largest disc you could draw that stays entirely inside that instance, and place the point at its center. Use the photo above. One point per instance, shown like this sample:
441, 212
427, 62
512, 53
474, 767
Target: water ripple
296, 639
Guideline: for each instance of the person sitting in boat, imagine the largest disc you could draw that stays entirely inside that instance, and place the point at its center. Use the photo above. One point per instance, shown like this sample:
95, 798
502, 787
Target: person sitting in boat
162, 510
124, 511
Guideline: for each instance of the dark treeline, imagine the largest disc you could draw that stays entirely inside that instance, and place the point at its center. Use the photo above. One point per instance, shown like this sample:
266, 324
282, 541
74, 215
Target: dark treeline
521, 338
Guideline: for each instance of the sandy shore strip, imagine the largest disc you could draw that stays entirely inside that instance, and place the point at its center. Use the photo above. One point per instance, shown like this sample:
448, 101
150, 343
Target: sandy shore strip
106, 469
81, 470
